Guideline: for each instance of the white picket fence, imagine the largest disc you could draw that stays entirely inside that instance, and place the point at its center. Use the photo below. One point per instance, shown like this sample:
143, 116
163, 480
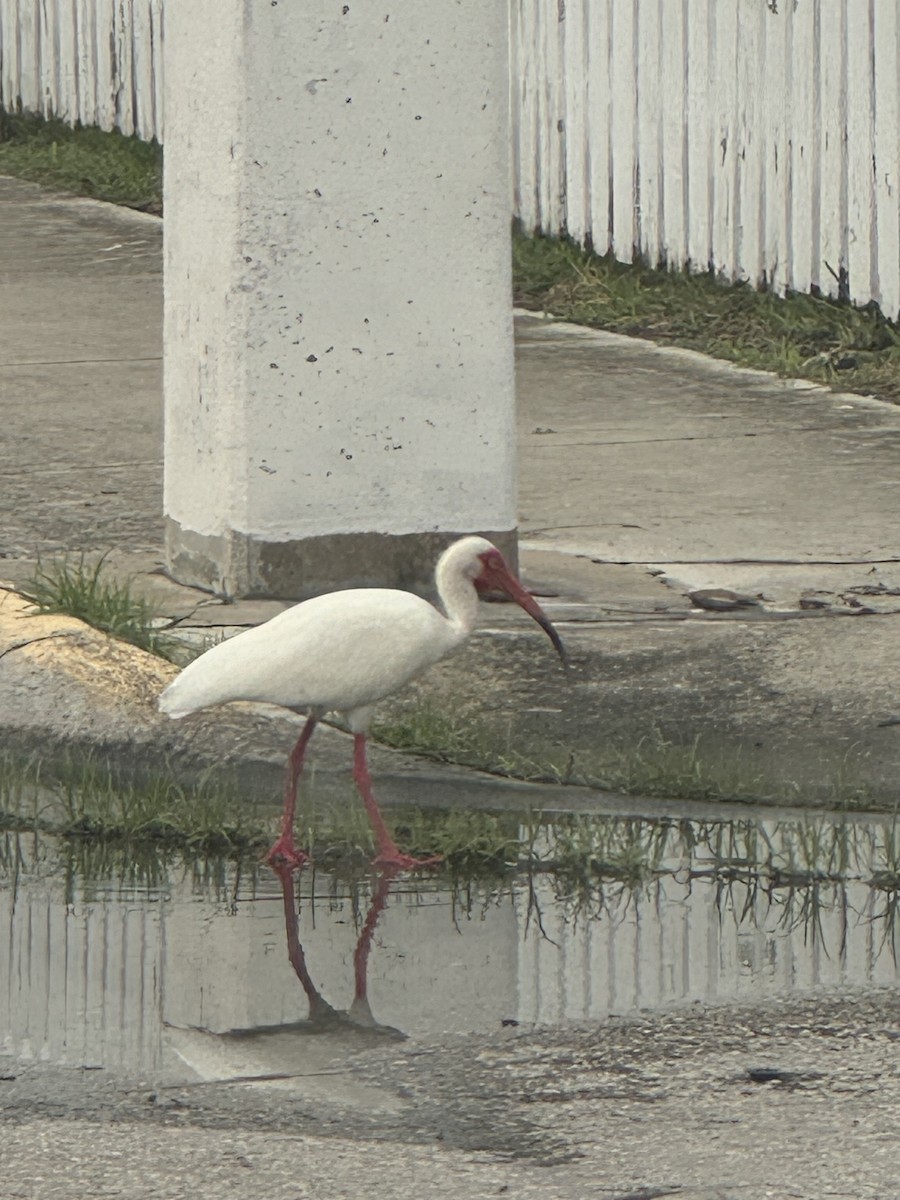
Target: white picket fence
759, 138
756, 137
94, 61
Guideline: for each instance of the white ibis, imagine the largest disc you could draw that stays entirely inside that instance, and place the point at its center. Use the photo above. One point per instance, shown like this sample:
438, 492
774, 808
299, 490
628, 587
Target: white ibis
344, 652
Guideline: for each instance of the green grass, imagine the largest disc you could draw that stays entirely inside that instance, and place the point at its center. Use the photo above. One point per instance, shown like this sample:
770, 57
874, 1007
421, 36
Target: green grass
836, 344
652, 765
105, 828
86, 800
80, 589
83, 160
830, 342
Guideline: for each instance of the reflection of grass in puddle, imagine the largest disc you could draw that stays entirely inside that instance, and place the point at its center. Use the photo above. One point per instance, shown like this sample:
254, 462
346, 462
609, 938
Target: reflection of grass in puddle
626, 850
775, 875
793, 870
797, 866
477, 845
86, 801
93, 869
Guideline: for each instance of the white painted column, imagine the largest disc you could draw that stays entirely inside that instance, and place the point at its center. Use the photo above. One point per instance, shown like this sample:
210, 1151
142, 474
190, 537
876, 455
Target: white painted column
338, 331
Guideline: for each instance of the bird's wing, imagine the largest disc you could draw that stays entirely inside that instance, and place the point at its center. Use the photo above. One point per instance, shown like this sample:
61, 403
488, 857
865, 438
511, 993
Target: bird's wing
339, 652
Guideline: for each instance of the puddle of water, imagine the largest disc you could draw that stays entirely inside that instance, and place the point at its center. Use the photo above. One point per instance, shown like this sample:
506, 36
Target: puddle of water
211, 971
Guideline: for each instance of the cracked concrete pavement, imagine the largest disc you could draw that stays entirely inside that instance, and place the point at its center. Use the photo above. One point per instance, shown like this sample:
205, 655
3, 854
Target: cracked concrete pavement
646, 474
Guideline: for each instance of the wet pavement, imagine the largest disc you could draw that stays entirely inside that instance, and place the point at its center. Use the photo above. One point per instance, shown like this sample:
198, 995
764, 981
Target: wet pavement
684, 999
666, 1007
646, 474
147, 964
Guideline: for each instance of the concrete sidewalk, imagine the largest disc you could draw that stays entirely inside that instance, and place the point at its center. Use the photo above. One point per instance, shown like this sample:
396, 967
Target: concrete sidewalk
646, 473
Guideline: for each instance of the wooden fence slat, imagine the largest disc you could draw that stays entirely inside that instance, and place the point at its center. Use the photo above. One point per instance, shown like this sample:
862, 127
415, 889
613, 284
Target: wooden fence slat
28, 31
701, 143
142, 68
540, 96
156, 88
860, 96
833, 124
550, 113
123, 76
598, 91
673, 100
775, 174
84, 33
575, 132
67, 108
649, 215
9, 54
887, 154
724, 49
105, 63
626, 197
48, 56
802, 199
523, 103
747, 260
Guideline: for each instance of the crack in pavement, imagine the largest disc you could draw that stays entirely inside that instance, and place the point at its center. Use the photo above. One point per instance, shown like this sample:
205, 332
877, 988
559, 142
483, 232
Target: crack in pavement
47, 637
700, 437
68, 362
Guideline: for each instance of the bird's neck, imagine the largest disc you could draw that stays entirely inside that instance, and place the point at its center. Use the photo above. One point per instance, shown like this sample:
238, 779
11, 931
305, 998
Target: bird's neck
459, 599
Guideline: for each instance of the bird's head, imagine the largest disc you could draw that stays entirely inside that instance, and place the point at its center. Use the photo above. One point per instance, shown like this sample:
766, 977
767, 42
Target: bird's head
489, 572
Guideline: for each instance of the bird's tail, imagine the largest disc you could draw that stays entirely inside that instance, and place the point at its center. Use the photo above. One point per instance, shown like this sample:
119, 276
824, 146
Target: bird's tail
171, 703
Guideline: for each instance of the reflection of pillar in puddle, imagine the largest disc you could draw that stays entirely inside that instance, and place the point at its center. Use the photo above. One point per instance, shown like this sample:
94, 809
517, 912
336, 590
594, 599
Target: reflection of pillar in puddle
224, 966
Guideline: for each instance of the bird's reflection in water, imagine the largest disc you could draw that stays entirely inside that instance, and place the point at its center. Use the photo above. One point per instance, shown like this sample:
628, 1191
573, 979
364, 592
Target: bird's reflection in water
320, 1011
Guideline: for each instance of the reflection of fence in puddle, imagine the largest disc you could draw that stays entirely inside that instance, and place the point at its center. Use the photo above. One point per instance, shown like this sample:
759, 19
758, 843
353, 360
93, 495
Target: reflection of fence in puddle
79, 983
664, 911
638, 914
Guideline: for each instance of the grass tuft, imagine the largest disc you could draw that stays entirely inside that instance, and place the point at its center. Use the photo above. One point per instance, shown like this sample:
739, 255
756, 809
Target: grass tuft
445, 734
650, 766
810, 337
83, 160
78, 588
85, 800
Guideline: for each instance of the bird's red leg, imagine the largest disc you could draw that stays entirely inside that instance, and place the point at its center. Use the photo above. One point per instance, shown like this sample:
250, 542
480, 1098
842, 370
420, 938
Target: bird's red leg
284, 852
389, 854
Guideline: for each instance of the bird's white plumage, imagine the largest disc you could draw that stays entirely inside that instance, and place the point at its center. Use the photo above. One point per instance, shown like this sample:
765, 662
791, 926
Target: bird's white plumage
344, 652
339, 652
335, 652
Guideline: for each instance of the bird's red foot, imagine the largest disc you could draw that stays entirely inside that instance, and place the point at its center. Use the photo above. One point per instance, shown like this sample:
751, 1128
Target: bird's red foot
394, 860
285, 854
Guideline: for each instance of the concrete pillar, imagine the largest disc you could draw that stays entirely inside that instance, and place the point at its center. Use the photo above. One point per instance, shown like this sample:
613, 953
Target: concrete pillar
338, 333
